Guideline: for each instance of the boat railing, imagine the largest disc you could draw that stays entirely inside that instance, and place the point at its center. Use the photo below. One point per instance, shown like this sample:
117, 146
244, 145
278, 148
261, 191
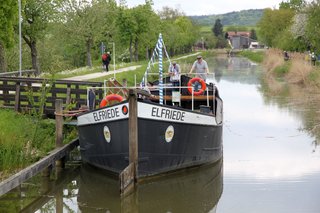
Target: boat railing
146, 91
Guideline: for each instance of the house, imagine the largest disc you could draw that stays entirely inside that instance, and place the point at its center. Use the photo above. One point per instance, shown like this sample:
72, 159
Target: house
239, 40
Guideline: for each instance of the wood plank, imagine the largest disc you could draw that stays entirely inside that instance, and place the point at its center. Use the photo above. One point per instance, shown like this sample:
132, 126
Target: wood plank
25, 174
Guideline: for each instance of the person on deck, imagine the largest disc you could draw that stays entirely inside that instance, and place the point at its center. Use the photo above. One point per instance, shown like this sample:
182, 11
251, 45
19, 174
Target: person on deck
92, 98
174, 72
201, 68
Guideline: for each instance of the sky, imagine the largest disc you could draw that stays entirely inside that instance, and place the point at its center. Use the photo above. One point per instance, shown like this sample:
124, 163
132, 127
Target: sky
209, 7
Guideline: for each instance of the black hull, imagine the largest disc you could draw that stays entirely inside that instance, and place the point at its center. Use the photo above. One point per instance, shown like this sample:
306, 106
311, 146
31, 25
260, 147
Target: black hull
191, 145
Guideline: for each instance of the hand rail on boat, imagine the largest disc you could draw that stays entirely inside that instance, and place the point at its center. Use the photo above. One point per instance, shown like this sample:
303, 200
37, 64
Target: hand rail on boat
211, 75
147, 93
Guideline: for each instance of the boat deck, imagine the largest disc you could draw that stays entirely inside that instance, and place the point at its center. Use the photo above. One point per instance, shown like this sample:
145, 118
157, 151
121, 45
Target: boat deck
185, 98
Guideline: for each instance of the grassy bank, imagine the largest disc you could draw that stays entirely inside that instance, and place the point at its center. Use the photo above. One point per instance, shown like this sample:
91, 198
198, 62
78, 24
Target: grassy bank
24, 140
257, 56
278, 72
297, 70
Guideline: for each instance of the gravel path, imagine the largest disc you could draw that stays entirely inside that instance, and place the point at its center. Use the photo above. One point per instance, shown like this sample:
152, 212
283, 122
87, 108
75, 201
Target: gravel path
125, 69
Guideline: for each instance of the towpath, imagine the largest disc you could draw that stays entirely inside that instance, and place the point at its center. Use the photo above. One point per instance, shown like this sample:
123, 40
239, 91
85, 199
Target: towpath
125, 69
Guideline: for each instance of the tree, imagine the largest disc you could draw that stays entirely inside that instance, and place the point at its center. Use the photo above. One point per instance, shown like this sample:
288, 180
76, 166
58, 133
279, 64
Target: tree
253, 34
8, 18
313, 26
272, 23
293, 4
37, 14
217, 28
88, 23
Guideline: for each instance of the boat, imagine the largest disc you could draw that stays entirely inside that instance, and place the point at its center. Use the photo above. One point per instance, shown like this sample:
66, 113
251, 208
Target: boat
174, 128
196, 191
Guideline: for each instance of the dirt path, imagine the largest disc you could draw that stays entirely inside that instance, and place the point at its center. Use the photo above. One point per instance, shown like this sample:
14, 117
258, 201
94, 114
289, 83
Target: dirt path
101, 74
125, 69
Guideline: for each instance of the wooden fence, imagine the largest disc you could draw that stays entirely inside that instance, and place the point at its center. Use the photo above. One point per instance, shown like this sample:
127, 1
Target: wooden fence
24, 94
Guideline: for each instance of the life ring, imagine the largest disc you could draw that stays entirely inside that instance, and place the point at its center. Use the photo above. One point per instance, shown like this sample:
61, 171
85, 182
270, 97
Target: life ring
201, 90
111, 97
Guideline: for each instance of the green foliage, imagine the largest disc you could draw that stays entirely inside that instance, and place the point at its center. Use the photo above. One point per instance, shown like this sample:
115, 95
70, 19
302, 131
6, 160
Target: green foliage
292, 4
8, 19
313, 28
286, 41
18, 147
253, 34
217, 28
280, 71
272, 23
314, 77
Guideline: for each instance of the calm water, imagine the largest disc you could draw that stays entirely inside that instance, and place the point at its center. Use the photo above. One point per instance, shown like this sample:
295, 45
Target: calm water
271, 161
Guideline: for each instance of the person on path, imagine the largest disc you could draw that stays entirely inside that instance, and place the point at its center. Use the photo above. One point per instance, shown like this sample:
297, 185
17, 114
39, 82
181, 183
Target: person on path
313, 59
174, 72
106, 58
201, 68
286, 55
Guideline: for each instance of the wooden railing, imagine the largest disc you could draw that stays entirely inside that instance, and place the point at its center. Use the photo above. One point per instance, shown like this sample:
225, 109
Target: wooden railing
24, 94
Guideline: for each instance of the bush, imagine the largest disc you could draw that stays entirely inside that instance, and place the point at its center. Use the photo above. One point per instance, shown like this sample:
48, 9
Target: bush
282, 69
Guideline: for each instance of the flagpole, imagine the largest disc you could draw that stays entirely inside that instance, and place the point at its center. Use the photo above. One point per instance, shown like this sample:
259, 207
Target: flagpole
160, 70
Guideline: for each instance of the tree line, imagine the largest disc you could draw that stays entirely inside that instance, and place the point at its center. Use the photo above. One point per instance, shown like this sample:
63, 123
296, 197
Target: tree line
64, 34
293, 27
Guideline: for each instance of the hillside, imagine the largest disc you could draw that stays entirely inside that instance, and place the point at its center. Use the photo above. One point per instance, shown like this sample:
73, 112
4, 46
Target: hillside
241, 18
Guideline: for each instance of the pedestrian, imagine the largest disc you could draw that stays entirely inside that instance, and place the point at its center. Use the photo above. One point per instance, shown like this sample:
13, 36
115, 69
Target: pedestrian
92, 98
174, 72
201, 68
286, 56
106, 58
313, 59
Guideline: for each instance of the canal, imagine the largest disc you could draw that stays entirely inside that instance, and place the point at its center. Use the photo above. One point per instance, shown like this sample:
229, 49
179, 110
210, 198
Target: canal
271, 160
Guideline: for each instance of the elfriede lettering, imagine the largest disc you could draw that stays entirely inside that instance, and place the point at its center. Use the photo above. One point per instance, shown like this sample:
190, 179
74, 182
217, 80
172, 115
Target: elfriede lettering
106, 114
168, 114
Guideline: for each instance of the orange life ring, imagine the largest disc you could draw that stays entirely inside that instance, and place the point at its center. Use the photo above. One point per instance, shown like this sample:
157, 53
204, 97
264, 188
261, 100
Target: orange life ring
201, 90
111, 97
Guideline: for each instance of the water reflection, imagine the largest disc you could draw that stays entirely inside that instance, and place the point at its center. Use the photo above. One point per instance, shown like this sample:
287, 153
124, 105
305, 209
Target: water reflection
198, 190
87, 189
270, 157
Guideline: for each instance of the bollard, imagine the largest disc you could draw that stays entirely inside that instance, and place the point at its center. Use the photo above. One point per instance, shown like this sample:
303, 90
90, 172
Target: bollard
59, 129
128, 177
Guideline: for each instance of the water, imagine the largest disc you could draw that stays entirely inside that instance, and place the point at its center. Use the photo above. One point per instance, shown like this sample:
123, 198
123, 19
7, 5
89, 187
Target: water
271, 161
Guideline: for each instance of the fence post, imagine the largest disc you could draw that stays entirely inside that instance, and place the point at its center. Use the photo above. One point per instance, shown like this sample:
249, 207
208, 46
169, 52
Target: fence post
68, 98
17, 98
59, 128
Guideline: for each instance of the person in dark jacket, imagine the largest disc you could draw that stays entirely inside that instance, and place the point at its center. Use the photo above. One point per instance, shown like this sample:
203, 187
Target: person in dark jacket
106, 58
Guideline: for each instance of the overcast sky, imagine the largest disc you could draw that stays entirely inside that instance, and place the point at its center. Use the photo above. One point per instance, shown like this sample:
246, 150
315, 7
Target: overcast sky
209, 7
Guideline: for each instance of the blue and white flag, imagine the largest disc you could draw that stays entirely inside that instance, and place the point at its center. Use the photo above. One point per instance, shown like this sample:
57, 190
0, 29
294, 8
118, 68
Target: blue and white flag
157, 52
159, 47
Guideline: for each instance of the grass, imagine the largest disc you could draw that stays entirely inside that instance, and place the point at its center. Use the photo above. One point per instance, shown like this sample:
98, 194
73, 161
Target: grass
298, 70
256, 56
24, 140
